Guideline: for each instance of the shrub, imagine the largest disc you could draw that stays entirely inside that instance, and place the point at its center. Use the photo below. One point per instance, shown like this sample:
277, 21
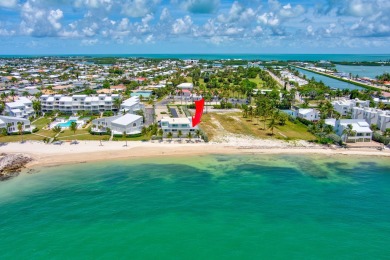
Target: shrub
380, 138
35, 130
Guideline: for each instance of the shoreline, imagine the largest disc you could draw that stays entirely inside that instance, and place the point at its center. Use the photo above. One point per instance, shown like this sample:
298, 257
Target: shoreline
91, 151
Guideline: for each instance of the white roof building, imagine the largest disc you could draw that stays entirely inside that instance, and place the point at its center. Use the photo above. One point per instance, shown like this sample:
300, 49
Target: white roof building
361, 129
309, 114
129, 123
174, 125
21, 108
186, 85
344, 106
379, 117
11, 124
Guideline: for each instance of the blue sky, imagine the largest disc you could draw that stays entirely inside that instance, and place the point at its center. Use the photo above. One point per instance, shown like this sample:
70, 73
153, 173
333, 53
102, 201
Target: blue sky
194, 26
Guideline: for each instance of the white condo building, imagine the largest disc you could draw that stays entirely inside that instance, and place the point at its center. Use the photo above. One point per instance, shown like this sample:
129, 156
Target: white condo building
21, 108
173, 125
344, 106
379, 117
75, 103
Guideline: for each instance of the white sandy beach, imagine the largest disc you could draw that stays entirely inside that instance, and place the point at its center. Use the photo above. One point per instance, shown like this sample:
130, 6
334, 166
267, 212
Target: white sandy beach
87, 151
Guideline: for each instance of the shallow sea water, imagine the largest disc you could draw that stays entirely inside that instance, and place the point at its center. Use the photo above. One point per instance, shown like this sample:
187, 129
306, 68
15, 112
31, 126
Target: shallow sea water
201, 207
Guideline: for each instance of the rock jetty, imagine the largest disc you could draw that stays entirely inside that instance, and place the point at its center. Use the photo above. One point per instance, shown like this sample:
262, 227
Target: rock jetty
11, 165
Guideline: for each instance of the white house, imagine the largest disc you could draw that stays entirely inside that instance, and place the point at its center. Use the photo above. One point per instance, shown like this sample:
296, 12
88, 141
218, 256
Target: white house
11, 124
361, 128
173, 125
344, 106
186, 85
308, 114
130, 123
131, 105
379, 117
21, 108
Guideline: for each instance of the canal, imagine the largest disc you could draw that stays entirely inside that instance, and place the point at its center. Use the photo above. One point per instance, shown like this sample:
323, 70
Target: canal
333, 83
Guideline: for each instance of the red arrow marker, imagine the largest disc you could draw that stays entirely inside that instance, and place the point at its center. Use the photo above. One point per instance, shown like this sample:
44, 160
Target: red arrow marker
199, 105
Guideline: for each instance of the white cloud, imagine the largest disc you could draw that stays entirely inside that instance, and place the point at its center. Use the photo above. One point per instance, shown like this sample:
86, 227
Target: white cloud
139, 8
8, 3
37, 21
95, 4
89, 42
182, 26
201, 6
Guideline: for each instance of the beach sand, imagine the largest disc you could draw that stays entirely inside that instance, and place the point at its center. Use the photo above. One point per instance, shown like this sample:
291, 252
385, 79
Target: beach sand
89, 151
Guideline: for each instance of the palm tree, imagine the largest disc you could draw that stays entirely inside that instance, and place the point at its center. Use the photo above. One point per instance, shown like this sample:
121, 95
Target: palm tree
170, 135
197, 132
125, 136
348, 132
189, 136
73, 127
37, 107
117, 103
272, 124
179, 134
57, 129
13, 94
20, 129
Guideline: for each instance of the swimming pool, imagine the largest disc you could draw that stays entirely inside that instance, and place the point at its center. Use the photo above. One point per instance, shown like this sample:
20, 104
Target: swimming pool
66, 124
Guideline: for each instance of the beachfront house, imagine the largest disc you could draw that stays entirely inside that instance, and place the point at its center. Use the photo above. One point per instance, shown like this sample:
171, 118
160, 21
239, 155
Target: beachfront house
21, 108
360, 131
129, 123
11, 124
174, 125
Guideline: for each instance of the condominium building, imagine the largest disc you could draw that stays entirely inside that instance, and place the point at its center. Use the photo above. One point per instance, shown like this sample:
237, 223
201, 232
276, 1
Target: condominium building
21, 108
174, 125
76, 103
378, 117
344, 106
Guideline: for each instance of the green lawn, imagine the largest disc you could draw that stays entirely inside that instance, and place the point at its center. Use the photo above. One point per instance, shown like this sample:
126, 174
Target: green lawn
234, 123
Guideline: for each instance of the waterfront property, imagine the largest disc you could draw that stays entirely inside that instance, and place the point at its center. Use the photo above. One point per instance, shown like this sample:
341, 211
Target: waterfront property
76, 103
308, 114
174, 125
21, 108
129, 123
11, 124
373, 116
359, 129
344, 106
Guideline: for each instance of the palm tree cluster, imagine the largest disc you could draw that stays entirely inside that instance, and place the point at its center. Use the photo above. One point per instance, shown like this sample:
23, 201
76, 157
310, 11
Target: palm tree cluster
266, 109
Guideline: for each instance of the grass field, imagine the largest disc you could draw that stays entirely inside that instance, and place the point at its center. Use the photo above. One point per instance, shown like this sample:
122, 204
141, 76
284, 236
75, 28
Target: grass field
234, 123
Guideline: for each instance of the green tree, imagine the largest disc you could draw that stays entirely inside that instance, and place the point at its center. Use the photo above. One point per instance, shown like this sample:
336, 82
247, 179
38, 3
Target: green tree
57, 129
73, 127
125, 136
272, 124
20, 129
179, 134
348, 132
170, 135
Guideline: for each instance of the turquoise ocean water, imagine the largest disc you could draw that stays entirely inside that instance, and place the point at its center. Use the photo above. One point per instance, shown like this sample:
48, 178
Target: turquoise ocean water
207, 207
267, 57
